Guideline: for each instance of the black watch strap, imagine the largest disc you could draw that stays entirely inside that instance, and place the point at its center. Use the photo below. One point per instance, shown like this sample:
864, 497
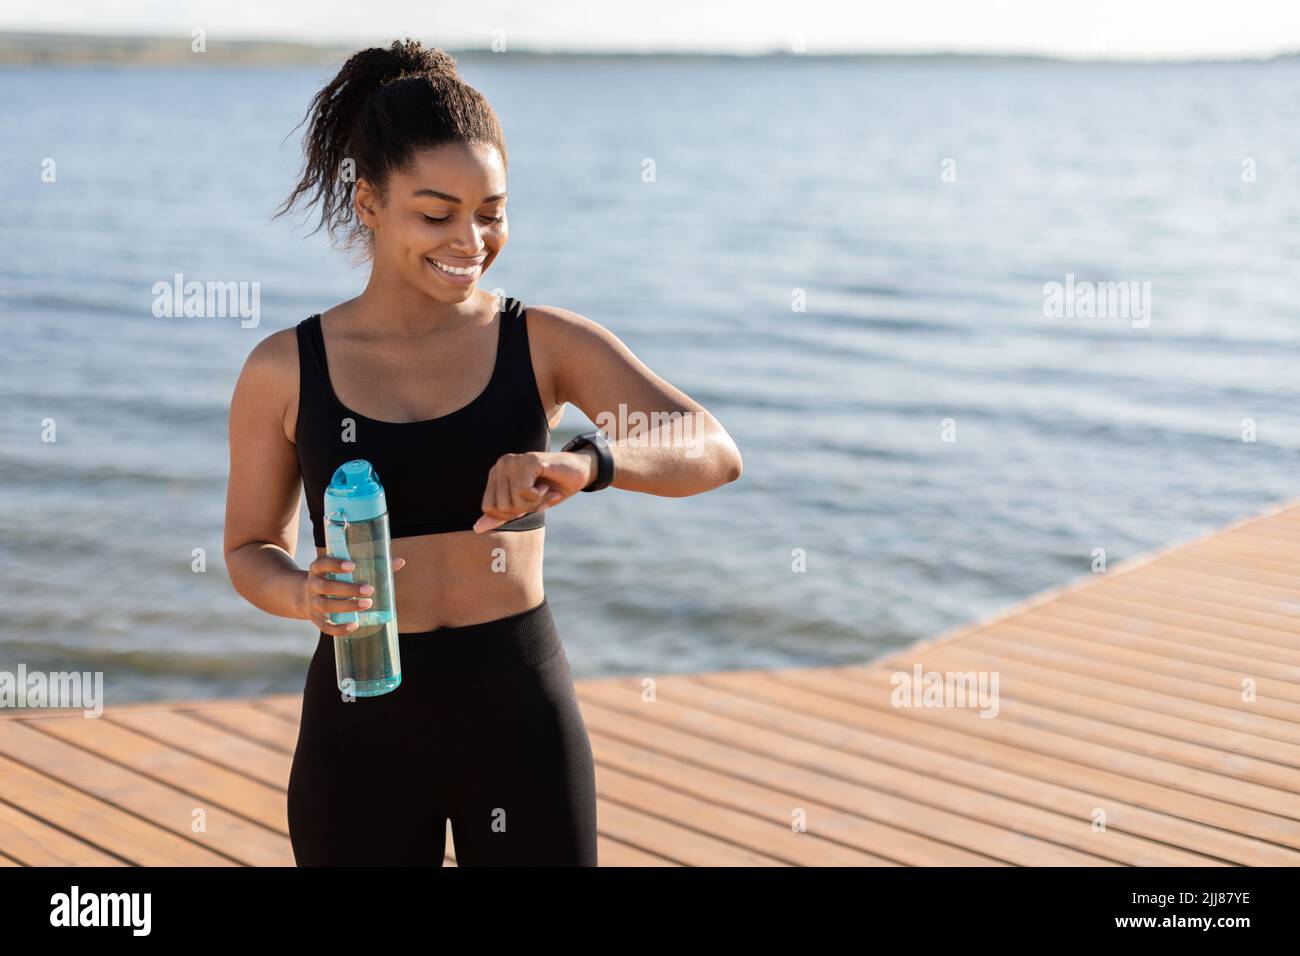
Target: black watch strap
604, 457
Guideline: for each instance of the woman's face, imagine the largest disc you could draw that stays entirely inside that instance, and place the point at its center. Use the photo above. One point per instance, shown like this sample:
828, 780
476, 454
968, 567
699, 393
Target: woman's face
446, 209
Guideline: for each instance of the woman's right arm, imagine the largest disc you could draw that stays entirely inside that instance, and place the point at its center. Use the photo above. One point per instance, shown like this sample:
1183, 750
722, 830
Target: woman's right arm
264, 487
262, 497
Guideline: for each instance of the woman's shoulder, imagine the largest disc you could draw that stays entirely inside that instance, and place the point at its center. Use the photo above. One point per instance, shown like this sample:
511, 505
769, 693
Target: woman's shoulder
568, 334
274, 355
277, 354
567, 346
269, 379
552, 329
558, 326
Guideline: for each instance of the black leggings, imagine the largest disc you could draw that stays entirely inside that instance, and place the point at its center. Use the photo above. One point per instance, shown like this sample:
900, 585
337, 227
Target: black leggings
484, 730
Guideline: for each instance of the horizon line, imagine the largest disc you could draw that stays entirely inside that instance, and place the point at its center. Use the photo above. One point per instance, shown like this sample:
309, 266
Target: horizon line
339, 46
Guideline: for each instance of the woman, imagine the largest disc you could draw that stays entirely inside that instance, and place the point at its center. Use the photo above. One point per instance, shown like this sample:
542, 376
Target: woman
451, 394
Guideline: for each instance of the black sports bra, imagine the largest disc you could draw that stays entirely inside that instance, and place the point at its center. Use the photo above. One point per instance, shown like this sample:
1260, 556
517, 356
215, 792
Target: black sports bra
434, 472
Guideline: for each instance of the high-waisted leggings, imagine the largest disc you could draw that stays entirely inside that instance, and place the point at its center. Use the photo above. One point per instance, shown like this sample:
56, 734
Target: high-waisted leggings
483, 730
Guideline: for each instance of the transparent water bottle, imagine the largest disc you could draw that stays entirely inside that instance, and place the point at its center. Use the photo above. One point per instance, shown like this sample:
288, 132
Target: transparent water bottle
356, 529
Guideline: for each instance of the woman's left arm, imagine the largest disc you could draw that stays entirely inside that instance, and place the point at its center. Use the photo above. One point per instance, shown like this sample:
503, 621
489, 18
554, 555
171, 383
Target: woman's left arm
663, 441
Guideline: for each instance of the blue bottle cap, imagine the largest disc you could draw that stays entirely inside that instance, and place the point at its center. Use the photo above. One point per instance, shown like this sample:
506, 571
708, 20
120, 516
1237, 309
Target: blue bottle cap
355, 493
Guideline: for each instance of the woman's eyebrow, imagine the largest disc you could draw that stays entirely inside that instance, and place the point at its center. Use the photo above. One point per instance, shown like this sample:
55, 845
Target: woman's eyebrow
434, 194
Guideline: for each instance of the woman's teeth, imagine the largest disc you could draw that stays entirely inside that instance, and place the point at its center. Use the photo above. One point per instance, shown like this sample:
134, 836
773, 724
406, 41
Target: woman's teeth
453, 270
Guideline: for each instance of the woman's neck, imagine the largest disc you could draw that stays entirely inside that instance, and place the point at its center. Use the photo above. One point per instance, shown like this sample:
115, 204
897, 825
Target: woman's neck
388, 304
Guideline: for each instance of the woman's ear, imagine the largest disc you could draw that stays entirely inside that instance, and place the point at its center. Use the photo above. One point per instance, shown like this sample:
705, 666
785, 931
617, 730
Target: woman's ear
366, 201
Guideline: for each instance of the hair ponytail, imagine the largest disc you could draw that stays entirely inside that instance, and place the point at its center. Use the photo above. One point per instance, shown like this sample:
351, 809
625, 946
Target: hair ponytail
382, 106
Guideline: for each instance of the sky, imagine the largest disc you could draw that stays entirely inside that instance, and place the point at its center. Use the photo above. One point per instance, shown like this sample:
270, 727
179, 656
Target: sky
1142, 29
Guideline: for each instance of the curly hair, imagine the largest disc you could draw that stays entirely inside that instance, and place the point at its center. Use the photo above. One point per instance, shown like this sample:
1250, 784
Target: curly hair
381, 107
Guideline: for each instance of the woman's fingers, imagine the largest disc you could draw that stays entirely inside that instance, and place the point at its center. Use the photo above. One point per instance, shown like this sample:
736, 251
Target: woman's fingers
528, 498
326, 565
516, 487
328, 596
337, 630
329, 565
501, 496
323, 607
495, 504
329, 605
517, 493
552, 497
347, 589
320, 584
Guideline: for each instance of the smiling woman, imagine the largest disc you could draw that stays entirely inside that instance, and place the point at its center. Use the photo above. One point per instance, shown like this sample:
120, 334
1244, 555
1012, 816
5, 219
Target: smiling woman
426, 223
450, 392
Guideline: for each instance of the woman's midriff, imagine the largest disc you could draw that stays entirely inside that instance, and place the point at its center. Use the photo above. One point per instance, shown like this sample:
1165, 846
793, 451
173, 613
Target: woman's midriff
460, 577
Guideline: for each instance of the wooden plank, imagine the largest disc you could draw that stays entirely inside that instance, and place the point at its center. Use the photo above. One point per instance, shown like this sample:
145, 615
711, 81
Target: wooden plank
682, 845
1013, 642
1200, 606
187, 734
1109, 647
1239, 571
1071, 788
825, 821
1277, 560
1155, 701
824, 772
1071, 695
1284, 598
1264, 538
252, 723
108, 829
762, 834
1099, 623
30, 841
1136, 740
1201, 609
611, 852
287, 709
236, 839
1157, 785
215, 787
802, 700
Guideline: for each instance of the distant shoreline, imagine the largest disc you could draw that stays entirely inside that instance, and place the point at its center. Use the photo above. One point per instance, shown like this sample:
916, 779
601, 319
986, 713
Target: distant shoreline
67, 49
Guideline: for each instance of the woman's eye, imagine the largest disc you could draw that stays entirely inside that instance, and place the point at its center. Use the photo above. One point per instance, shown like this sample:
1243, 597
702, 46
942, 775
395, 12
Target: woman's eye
445, 218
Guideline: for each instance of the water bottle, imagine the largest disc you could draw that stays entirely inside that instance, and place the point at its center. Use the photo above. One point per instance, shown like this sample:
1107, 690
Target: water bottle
356, 529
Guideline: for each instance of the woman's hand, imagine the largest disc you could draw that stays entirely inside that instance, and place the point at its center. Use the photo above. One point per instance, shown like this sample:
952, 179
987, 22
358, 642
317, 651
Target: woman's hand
323, 597
520, 484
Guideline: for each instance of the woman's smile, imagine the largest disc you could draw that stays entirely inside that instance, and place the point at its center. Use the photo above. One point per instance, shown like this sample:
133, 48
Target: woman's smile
461, 276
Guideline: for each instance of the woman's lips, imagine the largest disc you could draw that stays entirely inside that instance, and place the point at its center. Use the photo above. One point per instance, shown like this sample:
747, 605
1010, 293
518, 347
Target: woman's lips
462, 275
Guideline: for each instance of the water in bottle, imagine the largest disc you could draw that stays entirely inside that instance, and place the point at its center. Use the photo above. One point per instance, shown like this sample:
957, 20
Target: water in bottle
356, 529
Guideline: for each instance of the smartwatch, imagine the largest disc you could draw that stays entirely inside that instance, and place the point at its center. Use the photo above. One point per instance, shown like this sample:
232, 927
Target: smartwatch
605, 457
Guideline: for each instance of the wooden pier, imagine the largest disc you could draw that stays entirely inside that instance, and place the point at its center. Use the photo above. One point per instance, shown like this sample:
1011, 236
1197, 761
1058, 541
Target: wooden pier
1148, 715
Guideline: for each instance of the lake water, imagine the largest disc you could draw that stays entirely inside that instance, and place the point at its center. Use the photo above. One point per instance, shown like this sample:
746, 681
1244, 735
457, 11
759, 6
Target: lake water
917, 208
